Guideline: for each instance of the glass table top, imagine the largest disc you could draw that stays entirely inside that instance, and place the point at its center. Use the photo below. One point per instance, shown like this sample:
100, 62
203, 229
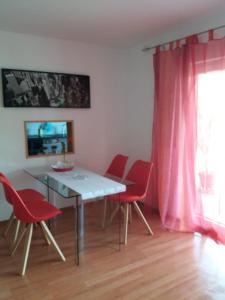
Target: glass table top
40, 174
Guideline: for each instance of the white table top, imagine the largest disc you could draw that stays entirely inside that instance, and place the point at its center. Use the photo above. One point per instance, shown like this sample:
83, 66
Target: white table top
88, 184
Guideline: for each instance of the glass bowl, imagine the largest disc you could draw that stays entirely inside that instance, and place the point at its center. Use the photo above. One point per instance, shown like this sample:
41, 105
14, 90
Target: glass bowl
62, 166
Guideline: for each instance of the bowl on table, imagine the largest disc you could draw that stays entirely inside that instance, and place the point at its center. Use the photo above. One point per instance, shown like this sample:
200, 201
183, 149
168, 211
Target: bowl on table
62, 166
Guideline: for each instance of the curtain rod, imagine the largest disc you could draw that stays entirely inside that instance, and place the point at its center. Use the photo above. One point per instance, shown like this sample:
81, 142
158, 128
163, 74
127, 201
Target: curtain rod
166, 43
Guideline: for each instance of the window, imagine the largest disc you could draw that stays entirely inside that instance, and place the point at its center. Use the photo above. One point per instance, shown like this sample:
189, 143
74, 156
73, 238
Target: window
211, 144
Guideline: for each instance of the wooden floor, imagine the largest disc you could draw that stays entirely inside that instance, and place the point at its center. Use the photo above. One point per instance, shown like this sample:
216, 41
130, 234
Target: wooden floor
165, 266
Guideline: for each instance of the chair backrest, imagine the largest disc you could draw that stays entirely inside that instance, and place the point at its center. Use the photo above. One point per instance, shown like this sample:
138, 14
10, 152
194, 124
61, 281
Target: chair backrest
3, 179
117, 166
139, 174
20, 210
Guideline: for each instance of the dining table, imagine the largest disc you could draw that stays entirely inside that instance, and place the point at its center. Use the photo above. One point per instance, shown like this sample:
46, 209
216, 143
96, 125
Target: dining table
80, 184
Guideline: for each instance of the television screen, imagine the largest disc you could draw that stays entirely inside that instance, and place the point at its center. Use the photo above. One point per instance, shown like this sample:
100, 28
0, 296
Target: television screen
48, 137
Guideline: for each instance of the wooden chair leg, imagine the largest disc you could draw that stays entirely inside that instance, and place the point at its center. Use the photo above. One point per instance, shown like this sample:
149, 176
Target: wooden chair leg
126, 216
142, 217
10, 222
130, 213
26, 249
114, 213
16, 233
51, 238
45, 235
16, 245
104, 213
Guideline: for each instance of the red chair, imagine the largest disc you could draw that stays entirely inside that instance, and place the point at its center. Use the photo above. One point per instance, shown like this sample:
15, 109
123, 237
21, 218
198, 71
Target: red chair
115, 169
30, 213
117, 166
27, 195
139, 175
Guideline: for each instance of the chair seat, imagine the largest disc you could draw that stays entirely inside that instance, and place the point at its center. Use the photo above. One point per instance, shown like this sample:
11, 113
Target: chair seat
38, 205
30, 195
133, 193
42, 210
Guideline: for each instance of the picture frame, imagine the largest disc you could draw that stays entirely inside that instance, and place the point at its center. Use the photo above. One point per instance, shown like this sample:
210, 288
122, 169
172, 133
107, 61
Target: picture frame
25, 88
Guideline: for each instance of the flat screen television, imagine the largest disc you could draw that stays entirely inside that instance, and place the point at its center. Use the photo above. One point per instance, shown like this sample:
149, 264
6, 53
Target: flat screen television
48, 138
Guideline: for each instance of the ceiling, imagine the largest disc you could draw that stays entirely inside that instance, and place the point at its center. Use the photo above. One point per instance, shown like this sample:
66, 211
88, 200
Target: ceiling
117, 23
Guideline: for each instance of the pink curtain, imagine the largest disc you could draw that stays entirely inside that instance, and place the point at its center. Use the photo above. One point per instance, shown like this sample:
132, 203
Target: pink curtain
176, 134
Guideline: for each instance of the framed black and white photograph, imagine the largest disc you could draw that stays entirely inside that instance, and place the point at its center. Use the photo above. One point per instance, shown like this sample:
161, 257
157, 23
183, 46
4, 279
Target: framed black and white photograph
22, 88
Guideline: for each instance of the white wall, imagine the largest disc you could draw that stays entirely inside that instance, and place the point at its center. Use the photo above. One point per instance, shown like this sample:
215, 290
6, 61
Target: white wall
98, 131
